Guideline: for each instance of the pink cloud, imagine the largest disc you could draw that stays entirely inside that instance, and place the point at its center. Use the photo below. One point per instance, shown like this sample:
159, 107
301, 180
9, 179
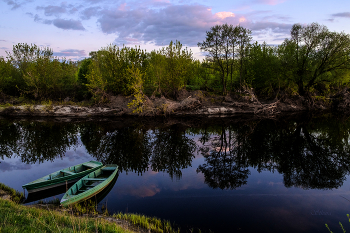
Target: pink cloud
123, 7
224, 14
271, 2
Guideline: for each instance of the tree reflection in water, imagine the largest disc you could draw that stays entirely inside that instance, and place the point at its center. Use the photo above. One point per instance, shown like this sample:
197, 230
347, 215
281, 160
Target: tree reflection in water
309, 152
36, 141
172, 150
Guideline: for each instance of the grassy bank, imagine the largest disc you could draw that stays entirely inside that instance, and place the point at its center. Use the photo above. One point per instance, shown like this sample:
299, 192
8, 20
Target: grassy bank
18, 218
15, 196
151, 223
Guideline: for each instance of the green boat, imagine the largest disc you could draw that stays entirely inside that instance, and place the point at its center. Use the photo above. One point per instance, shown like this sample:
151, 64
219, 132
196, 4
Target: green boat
90, 185
70, 174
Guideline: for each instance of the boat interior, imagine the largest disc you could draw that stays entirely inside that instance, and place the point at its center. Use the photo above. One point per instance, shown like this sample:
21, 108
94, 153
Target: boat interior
92, 180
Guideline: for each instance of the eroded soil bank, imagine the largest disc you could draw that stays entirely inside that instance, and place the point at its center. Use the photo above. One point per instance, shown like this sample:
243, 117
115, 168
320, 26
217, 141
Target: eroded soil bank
195, 103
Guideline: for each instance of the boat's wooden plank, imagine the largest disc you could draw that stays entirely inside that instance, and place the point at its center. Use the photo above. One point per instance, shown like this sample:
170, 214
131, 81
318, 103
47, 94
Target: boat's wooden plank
68, 172
90, 165
94, 179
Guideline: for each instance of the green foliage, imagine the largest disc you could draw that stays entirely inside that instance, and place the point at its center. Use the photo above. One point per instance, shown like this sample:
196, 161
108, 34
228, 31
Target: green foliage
111, 64
170, 68
225, 44
314, 61
138, 102
314, 55
37, 74
49, 78
97, 85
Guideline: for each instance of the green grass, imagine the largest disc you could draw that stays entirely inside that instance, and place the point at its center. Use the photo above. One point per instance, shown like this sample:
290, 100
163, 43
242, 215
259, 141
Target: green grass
151, 223
16, 196
18, 218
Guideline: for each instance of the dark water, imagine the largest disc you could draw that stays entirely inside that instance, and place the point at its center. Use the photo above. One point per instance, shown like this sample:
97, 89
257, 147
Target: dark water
223, 175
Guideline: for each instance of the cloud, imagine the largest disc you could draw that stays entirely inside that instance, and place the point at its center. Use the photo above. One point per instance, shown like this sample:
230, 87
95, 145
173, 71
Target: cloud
70, 53
38, 19
65, 24
68, 24
4, 166
224, 14
342, 14
53, 10
186, 23
14, 5
90, 12
270, 2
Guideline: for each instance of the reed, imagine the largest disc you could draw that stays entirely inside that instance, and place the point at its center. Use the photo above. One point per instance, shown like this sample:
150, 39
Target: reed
152, 224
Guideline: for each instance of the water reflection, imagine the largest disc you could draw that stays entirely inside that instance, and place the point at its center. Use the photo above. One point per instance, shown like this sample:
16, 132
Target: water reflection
172, 151
308, 152
36, 141
129, 146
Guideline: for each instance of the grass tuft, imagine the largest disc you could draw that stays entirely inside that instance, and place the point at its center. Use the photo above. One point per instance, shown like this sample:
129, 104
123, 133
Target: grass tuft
16, 196
152, 224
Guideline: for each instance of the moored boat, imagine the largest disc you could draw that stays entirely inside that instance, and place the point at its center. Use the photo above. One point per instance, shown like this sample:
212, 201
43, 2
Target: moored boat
70, 174
90, 185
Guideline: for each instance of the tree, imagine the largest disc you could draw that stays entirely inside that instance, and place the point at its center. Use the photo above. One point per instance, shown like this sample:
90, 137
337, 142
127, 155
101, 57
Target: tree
23, 54
225, 43
171, 67
314, 55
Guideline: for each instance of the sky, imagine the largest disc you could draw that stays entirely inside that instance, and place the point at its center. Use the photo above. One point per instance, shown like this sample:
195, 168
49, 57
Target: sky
72, 29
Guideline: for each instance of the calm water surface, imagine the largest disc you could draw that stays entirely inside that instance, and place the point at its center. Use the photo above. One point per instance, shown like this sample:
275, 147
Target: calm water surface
218, 175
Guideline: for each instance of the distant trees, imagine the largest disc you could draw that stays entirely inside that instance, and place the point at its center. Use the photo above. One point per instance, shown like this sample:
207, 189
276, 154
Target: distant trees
37, 73
314, 55
313, 61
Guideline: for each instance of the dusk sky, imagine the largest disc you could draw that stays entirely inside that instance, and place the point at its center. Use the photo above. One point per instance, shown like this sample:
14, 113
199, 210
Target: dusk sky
74, 28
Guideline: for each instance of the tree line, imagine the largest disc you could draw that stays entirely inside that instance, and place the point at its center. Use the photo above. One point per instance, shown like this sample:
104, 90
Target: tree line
314, 61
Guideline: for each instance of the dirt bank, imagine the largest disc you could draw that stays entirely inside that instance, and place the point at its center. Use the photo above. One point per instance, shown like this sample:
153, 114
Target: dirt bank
195, 103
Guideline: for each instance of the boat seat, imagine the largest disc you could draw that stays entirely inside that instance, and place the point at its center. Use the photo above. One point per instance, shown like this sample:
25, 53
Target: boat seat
95, 179
69, 173
108, 168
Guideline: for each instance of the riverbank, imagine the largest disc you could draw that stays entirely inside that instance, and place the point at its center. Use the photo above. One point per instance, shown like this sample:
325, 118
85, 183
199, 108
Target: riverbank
195, 103
50, 217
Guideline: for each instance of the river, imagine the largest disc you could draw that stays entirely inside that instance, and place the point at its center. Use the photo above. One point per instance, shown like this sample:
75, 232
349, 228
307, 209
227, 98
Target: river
214, 174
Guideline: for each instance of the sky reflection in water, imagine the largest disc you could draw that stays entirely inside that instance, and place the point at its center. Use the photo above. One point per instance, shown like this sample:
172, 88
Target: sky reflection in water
183, 192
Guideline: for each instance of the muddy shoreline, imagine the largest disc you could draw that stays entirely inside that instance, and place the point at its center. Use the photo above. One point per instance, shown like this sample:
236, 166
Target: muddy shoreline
189, 104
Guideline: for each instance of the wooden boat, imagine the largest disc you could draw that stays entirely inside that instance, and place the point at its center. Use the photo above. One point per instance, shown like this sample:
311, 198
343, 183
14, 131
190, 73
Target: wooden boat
90, 185
70, 174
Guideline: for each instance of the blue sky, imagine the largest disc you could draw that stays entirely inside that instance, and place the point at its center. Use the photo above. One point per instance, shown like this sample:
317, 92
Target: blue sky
74, 28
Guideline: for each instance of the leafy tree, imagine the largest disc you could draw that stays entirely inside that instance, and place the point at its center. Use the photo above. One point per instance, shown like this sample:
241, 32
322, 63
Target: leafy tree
264, 69
110, 64
177, 67
23, 55
314, 55
225, 43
